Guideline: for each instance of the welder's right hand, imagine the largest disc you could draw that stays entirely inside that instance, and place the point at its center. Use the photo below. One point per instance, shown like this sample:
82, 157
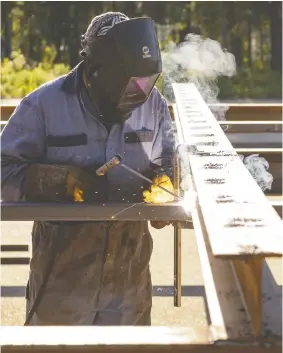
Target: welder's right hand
83, 184
78, 183
50, 183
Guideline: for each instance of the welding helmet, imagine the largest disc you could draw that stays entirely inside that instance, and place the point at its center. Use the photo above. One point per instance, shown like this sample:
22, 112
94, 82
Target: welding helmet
123, 65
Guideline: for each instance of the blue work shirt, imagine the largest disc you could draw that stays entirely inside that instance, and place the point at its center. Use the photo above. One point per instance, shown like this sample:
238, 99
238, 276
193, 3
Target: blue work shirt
55, 125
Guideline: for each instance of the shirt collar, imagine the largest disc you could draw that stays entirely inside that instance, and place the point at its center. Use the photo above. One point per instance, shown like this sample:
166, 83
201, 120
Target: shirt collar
73, 80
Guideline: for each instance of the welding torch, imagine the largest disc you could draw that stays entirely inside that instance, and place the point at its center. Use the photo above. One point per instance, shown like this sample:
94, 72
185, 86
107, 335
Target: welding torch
116, 160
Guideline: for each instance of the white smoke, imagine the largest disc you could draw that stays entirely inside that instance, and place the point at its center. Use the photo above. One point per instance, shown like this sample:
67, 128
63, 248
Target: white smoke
202, 61
258, 167
199, 61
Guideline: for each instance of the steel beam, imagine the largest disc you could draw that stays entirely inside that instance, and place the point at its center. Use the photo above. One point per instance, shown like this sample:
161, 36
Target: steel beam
251, 126
236, 212
127, 339
92, 212
240, 224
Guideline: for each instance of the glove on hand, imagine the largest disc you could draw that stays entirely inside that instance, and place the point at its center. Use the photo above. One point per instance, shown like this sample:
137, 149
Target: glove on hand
51, 183
82, 184
157, 196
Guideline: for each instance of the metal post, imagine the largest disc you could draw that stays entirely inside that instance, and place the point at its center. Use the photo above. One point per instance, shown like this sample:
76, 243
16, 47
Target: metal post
177, 240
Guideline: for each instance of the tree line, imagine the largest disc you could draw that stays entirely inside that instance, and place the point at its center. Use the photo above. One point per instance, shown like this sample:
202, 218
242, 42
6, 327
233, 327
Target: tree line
251, 30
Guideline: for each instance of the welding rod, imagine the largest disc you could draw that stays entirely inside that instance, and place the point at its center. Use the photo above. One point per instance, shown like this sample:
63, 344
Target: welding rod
150, 181
116, 160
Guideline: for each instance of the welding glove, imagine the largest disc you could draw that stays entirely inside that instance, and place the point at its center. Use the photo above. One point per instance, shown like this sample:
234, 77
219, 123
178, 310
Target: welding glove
51, 183
155, 194
158, 196
82, 184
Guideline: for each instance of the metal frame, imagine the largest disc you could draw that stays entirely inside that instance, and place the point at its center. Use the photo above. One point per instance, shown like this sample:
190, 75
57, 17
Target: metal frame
129, 339
15, 211
218, 171
244, 140
243, 246
255, 139
107, 212
157, 340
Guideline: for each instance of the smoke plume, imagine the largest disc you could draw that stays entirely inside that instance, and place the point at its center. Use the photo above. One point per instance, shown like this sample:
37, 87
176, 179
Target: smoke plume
258, 167
201, 61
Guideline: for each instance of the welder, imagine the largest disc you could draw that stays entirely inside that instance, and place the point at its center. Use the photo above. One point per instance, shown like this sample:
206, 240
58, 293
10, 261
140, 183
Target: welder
93, 273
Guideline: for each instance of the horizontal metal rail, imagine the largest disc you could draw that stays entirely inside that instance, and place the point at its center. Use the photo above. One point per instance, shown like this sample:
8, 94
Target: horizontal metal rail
14, 247
68, 339
236, 111
269, 140
256, 140
92, 212
15, 260
244, 139
13, 102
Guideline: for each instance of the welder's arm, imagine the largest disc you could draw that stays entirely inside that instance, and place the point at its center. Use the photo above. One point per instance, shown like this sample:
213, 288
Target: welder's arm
22, 143
24, 178
161, 162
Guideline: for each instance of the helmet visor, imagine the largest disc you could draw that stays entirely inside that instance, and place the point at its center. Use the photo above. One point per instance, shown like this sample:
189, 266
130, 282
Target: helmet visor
137, 91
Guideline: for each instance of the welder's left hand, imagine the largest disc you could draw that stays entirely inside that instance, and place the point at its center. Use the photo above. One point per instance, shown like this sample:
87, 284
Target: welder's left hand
158, 196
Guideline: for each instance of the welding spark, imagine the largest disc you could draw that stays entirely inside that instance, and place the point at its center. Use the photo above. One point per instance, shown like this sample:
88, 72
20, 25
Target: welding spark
125, 209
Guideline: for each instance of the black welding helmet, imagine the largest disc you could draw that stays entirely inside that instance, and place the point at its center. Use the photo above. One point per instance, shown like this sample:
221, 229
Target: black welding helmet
125, 63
